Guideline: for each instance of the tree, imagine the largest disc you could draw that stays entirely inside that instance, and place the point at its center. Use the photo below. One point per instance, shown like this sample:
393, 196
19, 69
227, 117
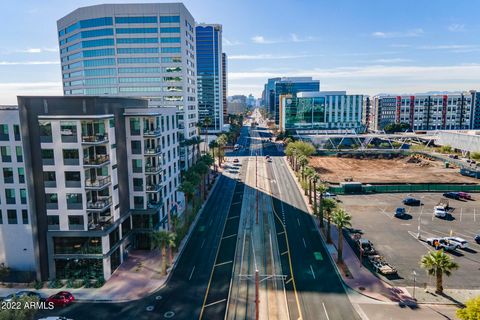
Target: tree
446, 149
213, 144
475, 156
4, 271
438, 263
471, 310
202, 169
209, 161
342, 219
309, 173
396, 127
206, 123
188, 189
321, 189
161, 240
302, 161
20, 313
222, 142
329, 205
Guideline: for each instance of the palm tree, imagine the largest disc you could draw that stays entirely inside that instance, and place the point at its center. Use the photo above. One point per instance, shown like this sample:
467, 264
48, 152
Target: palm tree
188, 189
329, 205
206, 123
222, 141
321, 188
209, 161
438, 263
302, 161
342, 219
213, 144
309, 172
202, 169
162, 239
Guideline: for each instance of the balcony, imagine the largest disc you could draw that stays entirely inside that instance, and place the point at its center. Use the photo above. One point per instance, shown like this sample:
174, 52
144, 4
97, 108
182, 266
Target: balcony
100, 204
97, 161
95, 139
154, 187
152, 151
153, 169
100, 223
154, 204
98, 183
152, 133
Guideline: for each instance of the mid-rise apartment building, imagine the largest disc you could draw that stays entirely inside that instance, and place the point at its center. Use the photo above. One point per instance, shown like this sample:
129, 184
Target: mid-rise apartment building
326, 110
101, 174
133, 50
456, 111
16, 233
210, 75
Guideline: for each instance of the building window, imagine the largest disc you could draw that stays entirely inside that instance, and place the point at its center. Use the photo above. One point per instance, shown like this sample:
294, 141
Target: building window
48, 157
75, 223
45, 131
4, 132
1, 217
49, 179
74, 201
16, 132
23, 196
25, 216
12, 216
137, 184
19, 153
136, 147
7, 175
21, 175
72, 179
53, 222
71, 157
138, 203
10, 196
6, 154
68, 130
111, 123
137, 166
51, 200
134, 126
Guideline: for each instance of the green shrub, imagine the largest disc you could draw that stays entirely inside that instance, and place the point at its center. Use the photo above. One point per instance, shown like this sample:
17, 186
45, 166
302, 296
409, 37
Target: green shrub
38, 285
99, 283
70, 282
55, 284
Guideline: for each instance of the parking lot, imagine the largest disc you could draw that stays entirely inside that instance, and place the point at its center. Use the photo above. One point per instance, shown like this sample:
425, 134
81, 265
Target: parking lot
396, 239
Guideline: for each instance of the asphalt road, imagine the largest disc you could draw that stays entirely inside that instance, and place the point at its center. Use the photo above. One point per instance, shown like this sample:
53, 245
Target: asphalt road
183, 295
319, 292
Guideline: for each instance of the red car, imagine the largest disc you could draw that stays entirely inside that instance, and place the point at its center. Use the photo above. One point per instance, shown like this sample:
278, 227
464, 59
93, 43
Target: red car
61, 299
465, 195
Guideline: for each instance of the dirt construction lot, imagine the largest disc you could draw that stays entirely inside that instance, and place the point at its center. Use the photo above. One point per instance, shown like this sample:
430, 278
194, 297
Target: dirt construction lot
335, 170
396, 239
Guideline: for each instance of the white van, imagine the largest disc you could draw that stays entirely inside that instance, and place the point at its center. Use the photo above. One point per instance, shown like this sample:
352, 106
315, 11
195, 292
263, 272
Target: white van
460, 242
440, 212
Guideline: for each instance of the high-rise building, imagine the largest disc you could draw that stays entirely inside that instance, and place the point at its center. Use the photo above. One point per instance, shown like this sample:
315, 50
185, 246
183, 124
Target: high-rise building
101, 174
237, 104
17, 248
327, 110
225, 81
457, 111
209, 75
135, 50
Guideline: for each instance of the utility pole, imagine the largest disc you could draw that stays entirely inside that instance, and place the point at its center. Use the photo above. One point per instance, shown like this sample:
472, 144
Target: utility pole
256, 186
257, 298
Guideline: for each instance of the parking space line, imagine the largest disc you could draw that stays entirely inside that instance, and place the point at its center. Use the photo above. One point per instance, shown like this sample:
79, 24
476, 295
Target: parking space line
325, 309
313, 273
304, 244
383, 211
191, 273
414, 235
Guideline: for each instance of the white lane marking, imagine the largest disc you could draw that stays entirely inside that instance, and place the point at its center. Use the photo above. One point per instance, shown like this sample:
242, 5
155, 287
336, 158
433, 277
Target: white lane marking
304, 244
382, 210
461, 213
313, 273
325, 309
191, 273
202, 243
216, 302
298, 221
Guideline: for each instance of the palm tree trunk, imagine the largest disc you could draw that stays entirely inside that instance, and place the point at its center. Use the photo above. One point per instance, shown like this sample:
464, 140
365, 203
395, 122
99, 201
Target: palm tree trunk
309, 191
164, 260
206, 140
320, 211
439, 275
315, 197
340, 245
329, 231
205, 187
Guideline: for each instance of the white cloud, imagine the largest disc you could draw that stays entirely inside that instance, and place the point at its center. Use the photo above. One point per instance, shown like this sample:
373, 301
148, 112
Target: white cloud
36, 50
400, 45
393, 60
229, 43
404, 34
268, 57
295, 38
259, 39
27, 63
456, 27
447, 47
262, 40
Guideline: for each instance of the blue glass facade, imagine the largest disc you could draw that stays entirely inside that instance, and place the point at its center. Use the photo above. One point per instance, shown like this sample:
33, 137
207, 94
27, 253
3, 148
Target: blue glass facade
209, 75
291, 86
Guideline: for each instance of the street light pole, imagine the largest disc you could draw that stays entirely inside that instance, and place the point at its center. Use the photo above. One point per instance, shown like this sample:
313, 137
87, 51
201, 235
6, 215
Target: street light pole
414, 282
256, 187
257, 298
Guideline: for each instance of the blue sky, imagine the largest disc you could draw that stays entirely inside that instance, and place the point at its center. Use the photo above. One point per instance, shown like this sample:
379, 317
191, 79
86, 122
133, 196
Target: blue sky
368, 46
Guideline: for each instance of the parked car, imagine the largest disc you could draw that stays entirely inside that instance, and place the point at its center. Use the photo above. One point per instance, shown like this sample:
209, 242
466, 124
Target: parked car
366, 246
452, 195
453, 156
21, 294
400, 213
477, 238
441, 243
329, 195
235, 160
61, 299
267, 157
411, 202
55, 318
440, 212
465, 195
462, 243
381, 266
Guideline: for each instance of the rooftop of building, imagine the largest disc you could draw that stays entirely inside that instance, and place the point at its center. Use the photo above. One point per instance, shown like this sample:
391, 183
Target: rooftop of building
8, 107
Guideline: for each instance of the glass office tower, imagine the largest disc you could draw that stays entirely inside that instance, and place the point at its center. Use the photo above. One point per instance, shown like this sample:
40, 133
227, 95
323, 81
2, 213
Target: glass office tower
135, 50
209, 75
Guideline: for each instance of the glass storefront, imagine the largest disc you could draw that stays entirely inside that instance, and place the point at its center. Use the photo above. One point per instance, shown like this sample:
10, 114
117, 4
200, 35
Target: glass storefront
78, 268
77, 245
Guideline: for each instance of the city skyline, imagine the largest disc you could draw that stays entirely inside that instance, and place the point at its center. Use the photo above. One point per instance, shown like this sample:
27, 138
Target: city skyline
367, 49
